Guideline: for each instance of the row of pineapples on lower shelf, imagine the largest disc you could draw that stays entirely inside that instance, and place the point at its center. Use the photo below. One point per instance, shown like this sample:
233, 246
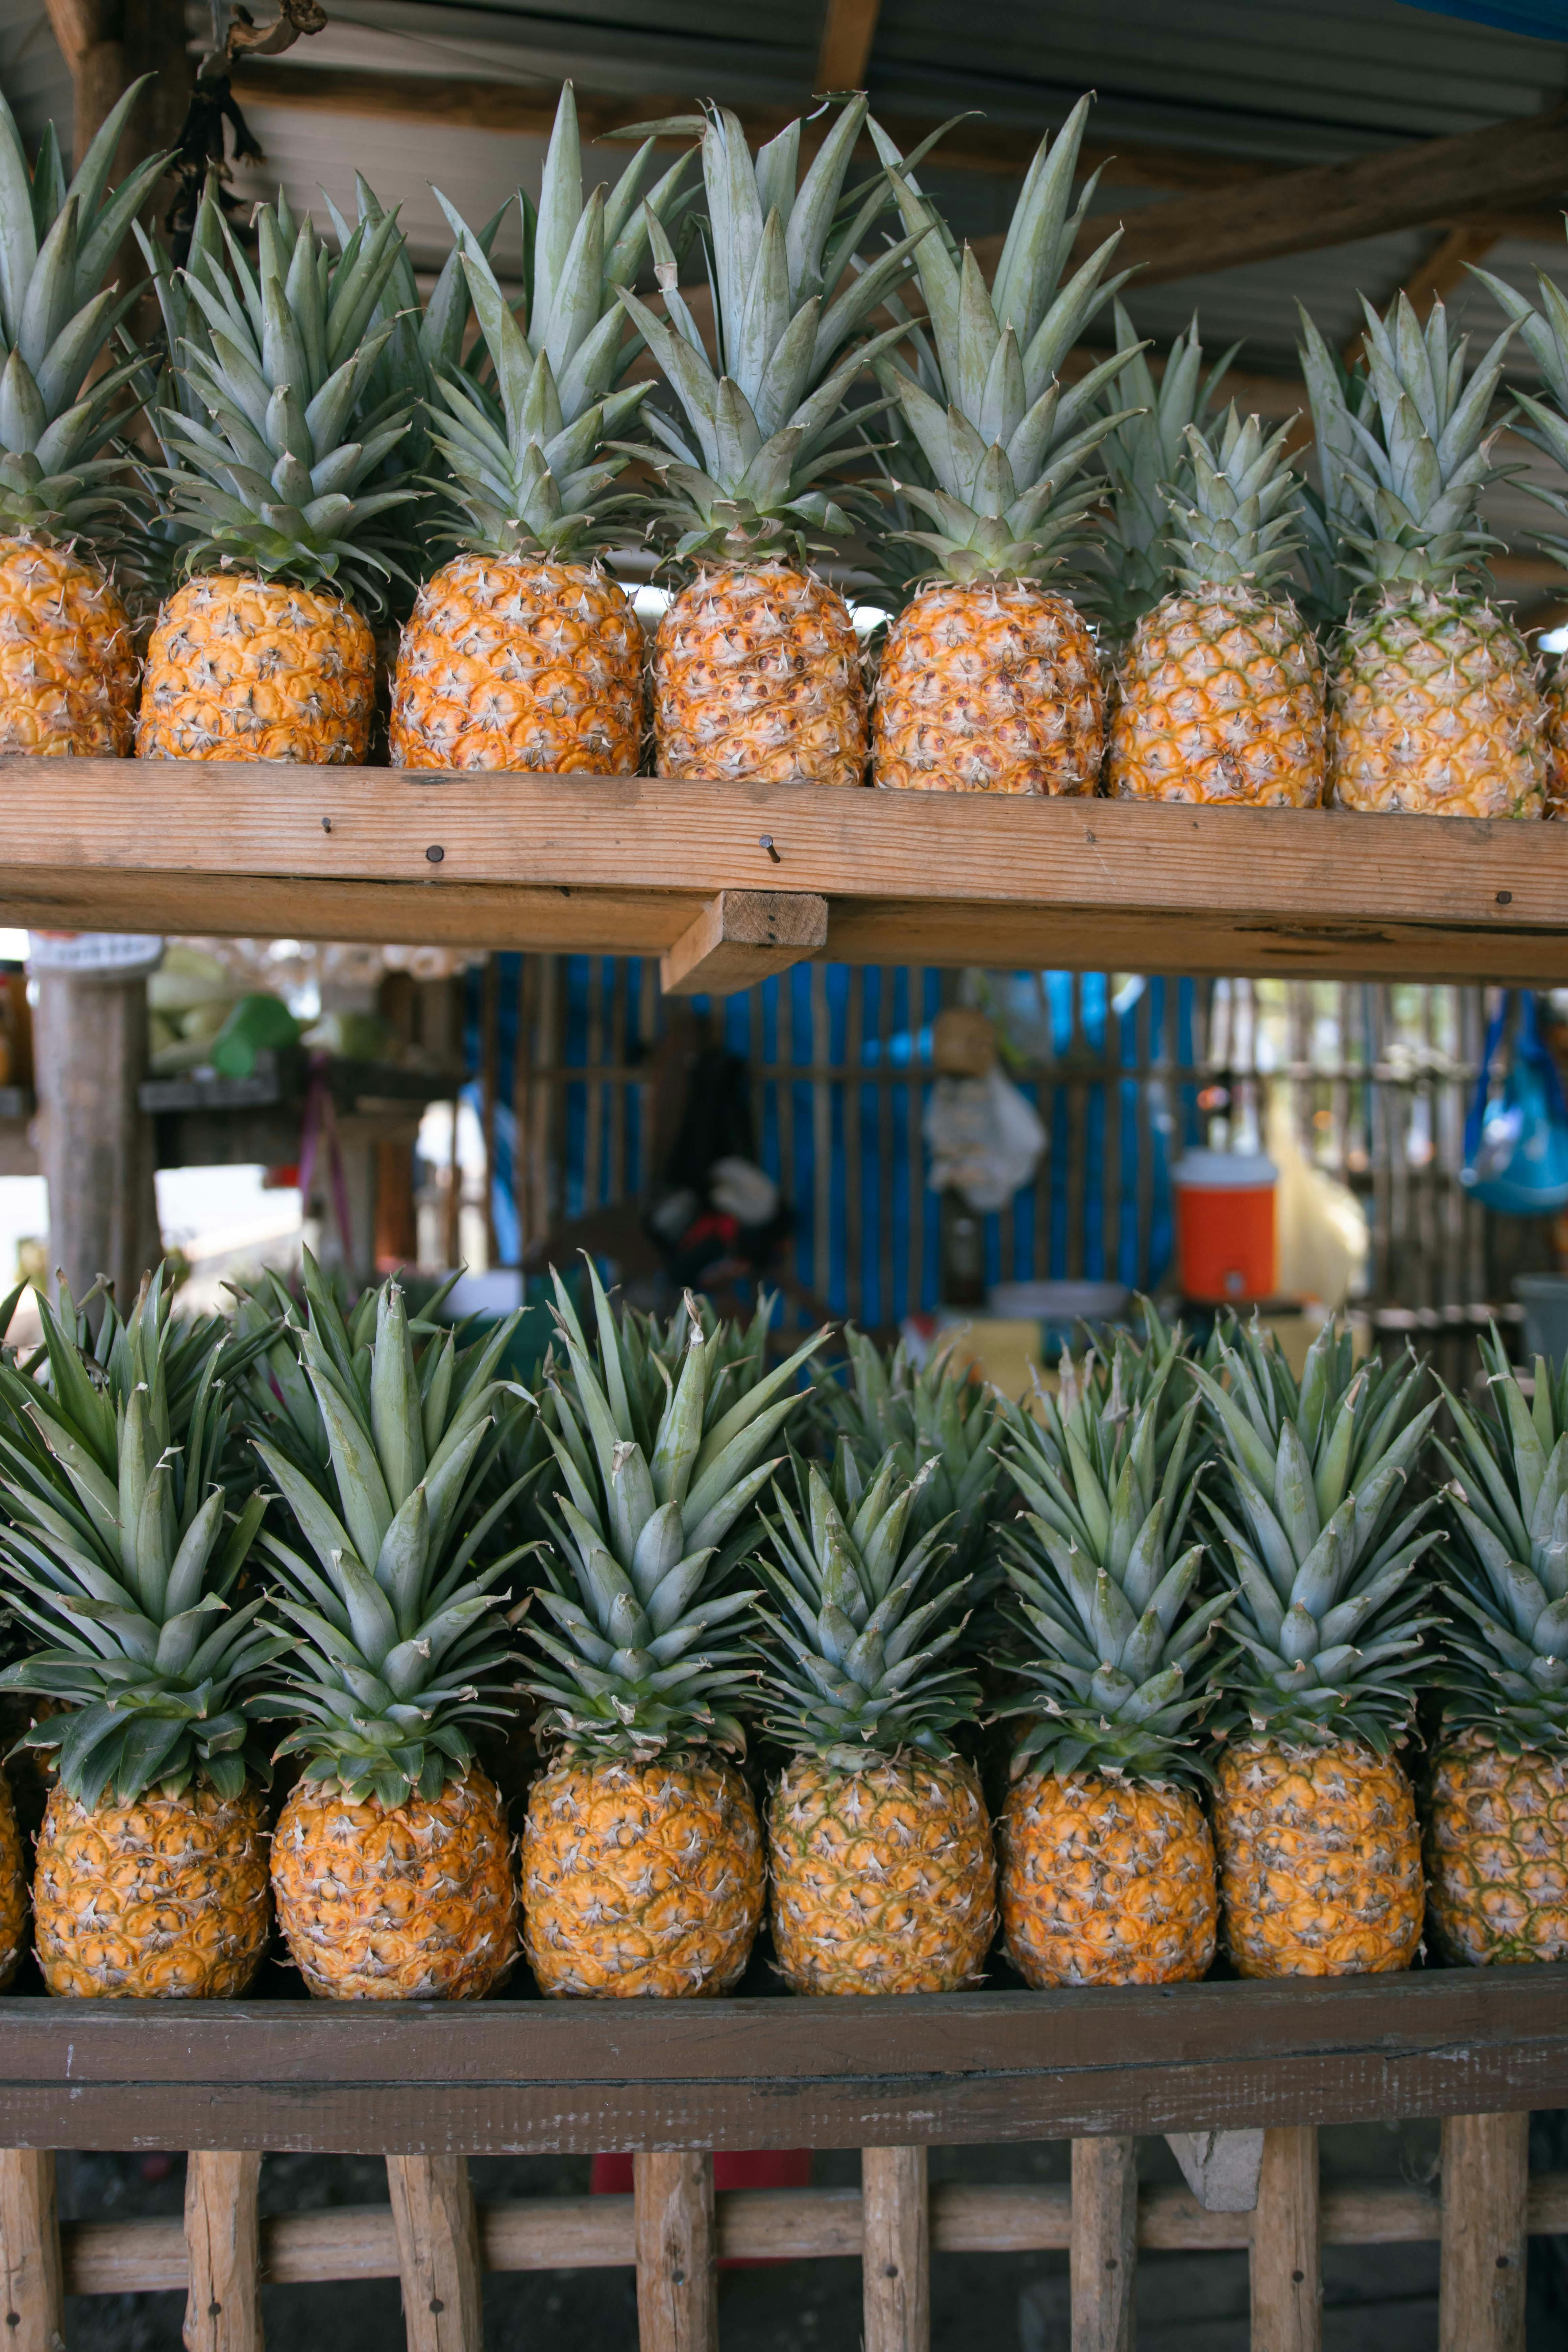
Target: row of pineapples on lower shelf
1189, 1621
1092, 574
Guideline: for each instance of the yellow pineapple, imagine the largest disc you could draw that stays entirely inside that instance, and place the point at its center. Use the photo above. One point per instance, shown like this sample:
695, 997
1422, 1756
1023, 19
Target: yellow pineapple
1221, 689
266, 653
1554, 695
1497, 1810
756, 670
1320, 1859
121, 1553
68, 667
1108, 1869
391, 1861
990, 680
642, 1870
880, 1857
13, 1888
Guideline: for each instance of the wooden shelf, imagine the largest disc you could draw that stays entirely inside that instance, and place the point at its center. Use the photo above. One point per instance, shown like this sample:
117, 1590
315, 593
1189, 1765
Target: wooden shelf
634, 865
545, 2076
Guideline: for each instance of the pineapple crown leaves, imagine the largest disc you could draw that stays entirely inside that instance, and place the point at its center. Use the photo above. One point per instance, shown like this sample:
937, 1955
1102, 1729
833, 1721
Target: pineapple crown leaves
274, 482
1000, 450
122, 1556
1323, 1552
1543, 422
660, 1506
57, 319
1105, 1598
1336, 394
1506, 1664
855, 1644
1237, 521
768, 429
399, 1642
1414, 462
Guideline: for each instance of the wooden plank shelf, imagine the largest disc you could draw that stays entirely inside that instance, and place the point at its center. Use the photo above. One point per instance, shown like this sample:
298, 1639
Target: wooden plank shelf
533, 2077
629, 865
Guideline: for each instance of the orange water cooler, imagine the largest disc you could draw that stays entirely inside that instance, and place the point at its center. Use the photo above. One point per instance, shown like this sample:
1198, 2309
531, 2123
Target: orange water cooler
1225, 1248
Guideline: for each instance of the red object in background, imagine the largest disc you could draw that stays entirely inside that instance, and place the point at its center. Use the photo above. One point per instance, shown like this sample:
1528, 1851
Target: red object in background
1225, 1248
760, 2168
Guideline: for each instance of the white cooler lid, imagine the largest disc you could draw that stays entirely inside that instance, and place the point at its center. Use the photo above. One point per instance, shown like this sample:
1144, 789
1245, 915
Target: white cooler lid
1224, 1172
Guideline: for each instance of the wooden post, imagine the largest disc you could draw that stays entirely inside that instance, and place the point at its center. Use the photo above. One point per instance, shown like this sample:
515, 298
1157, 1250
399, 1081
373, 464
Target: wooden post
677, 2278
1287, 2281
1104, 2259
31, 2251
437, 2252
223, 2303
107, 45
97, 1140
1486, 2183
896, 2258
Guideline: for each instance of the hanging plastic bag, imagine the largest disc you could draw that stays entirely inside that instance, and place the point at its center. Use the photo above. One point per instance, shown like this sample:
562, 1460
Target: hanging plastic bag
985, 1138
1516, 1142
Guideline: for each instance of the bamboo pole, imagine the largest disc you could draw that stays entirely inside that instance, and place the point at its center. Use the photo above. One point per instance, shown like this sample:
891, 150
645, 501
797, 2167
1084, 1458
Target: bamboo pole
1287, 2283
677, 2276
223, 2300
437, 2252
896, 2249
1104, 2259
1486, 2186
31, 2251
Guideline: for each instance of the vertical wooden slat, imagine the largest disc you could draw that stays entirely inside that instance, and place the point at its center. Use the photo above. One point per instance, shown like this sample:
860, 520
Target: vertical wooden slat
678, 2277
895, 2258
1077, 1136
1143, 1064
1104, 2257
884, 1146
854, 1110
1486, 2180
914, 1105
547, 1119
1286, 2284
1111, 1132
620, 983
31, 2251
223, 2303
522, 1104
592, 1088
490, 1075
437, 2252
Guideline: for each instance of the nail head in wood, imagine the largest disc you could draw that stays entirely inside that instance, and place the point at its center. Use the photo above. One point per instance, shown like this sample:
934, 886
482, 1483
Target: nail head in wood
742, 937
437, 2252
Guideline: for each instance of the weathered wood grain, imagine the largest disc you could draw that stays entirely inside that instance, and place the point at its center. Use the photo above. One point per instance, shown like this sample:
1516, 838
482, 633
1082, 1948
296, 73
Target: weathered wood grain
618, 863
437, 2237
894, 2249
742, 937
1104, 2260
1486, 2189
223, 2252
1287, 2270
30, 2271
677, 2252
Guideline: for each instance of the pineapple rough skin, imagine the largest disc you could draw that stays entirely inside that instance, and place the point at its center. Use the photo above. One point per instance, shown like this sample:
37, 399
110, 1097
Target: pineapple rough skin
1497, 1854
12, 1889
1106, 1882
519, 665
164, 1899
1320, 1861
409, 1902
1435, 711
1556, 695
1221, 699
243, 669
884, 1880
990, 688
757, 673
640, 1879
67, 666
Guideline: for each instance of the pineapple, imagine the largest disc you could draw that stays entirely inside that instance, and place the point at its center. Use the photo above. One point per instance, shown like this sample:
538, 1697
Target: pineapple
884, 1879
990, 680
756, 666
1497, 1814
1554, 695
391, 1861
523, 652
151, 1879
1221, 691
1434, 709
642, 1862
1319, 1858
264, 653
68, 667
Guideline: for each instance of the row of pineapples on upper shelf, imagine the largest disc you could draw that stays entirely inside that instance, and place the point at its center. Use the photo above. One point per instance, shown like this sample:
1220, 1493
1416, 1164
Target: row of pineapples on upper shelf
281, 470
1194, 1628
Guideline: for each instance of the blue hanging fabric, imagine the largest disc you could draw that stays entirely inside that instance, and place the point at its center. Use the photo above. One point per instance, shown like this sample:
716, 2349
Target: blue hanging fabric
1516, 1142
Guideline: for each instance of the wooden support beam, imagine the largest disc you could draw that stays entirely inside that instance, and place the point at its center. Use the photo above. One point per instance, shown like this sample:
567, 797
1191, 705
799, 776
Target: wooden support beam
848, 29
437, 2252
33, 2311
1287, 2275
742, 937
223, 2299
1104, 2259
896, 2249
1486, 2189
677, 2271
